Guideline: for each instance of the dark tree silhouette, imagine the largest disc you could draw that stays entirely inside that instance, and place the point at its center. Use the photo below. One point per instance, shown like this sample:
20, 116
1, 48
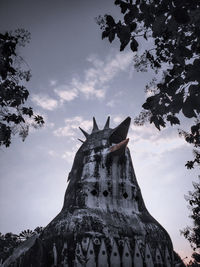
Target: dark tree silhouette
192, 234
171, 31
10, 241
15, 117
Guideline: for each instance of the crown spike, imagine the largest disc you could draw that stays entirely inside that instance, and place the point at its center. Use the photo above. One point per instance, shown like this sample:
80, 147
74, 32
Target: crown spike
84, 132
80, 140
95, 127
107, 123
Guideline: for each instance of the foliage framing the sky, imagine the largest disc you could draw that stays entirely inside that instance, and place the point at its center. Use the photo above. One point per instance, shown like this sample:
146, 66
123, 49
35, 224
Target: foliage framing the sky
13, 94
192, 234
173, 29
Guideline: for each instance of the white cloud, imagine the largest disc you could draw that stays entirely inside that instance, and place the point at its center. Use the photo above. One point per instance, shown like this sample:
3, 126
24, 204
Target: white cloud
96, 79
53, 82
45, 102
94, 83
52, 153
68, 155
151, 141
115, 99
111, 103
114, 66
65, 93
88, 87
117, 119
71, 126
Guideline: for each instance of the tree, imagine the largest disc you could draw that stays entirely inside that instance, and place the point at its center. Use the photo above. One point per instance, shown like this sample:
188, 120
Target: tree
192, 234
15, 117
10, 241
172, 31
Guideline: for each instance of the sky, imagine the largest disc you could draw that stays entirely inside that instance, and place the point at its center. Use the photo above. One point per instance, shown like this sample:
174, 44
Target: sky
75, 76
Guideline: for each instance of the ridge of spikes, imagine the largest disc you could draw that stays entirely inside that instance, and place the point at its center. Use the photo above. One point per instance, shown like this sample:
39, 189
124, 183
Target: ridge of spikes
95, 126
107, 123
84, 132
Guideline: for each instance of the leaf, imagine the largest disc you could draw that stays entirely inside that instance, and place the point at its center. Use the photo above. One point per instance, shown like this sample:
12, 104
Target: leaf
188, 109
27, 111
181, 16
195, 129
5, 134
111, 36
134, 45
158, 26
194, 89
173, 120
133, 26
124, 7
177, 103
143, 7
123, 32
123, 45
39, 119
158, 121
128, 18
193, 73
105, 34
189, 165
110, 21
150, 102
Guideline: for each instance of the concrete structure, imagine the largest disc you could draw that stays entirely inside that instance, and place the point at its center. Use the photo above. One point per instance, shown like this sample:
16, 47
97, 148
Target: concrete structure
104, 221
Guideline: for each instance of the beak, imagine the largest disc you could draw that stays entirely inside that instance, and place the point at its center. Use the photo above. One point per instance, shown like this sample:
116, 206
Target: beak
119, 148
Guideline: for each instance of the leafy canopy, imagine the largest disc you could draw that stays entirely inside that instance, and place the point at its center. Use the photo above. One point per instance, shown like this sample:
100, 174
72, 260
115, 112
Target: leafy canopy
10, 241
170, 31
192, 234
15, 117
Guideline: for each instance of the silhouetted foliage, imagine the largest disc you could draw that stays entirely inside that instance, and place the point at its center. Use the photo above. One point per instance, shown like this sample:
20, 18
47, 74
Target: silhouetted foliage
14, 116
170, 31
192, 234
193, 138
10, 241
177, 260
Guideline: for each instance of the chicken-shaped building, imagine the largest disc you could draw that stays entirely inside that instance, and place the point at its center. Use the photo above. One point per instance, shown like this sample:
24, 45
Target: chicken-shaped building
104, 221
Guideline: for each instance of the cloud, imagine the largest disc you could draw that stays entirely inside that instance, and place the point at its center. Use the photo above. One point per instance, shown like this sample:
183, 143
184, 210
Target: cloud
71, 126
52, 153
93, 84
88, 87
45, 102
65, 94
96, 78
117, 119
111, 103
115, 99
53, 82
68, 155
149, 142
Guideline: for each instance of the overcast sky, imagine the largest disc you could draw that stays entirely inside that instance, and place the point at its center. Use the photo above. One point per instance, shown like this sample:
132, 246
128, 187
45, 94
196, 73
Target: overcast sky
75, 76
